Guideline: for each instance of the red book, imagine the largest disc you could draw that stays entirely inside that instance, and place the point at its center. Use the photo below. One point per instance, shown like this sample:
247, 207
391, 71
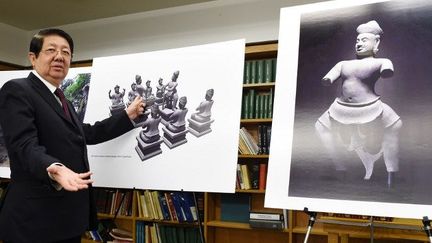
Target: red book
262, 176
171, 207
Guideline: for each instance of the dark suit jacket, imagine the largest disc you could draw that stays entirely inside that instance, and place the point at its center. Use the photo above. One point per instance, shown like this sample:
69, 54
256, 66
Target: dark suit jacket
37, 134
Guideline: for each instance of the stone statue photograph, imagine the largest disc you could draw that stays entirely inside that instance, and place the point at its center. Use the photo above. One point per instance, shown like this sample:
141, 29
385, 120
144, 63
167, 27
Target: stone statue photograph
358, 107
351, 130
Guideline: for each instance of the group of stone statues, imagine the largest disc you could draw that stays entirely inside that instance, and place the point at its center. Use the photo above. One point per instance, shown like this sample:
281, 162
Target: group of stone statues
166, 108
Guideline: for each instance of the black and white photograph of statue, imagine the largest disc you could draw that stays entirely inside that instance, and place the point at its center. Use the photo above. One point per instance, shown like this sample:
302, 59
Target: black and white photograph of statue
359, 135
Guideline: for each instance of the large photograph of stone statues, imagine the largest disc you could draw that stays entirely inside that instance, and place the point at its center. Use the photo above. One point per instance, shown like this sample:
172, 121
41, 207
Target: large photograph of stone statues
361, 135
75, 87
183, 140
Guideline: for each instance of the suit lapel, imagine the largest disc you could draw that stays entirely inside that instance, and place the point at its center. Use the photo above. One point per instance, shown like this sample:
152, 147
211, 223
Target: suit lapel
46, 94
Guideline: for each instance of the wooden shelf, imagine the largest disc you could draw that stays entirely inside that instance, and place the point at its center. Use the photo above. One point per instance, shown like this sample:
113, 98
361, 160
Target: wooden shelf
259, 86
253, 156
250, 191
266, 120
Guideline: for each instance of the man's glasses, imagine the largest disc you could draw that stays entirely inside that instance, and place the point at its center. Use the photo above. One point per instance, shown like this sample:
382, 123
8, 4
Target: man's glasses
52, 52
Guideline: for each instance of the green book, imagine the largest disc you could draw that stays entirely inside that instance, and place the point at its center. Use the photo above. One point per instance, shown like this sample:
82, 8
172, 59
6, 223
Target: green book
253, 71
259, 72
245, 110
247, 73
270, 105
268, 70
262, 108
265, 111
251, 102
274, 64
258, 106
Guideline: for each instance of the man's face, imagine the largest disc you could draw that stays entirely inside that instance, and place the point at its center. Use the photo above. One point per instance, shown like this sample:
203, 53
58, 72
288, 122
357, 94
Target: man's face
54, 59
365, 44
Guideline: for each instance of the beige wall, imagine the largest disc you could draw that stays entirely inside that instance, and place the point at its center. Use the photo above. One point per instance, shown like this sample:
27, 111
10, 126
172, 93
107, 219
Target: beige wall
254, 20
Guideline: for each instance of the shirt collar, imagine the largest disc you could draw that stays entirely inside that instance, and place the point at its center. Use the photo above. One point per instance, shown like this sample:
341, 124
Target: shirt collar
51, 87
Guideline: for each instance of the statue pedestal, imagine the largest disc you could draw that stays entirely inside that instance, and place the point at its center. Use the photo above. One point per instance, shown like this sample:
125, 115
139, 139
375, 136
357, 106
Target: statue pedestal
172, 139
199, 128
165, 115
148, 150
117, 109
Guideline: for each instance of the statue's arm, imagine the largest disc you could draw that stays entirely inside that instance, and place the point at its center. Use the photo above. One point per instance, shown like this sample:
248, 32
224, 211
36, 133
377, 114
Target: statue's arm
332, 75
386, 68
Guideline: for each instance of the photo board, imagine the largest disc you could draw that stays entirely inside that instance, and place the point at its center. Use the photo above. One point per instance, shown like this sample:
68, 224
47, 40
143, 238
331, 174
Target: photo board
351, 125
188, 137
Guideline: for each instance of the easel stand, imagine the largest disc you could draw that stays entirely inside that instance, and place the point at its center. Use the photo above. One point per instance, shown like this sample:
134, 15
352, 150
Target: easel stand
312, 219
200, 225
427, 227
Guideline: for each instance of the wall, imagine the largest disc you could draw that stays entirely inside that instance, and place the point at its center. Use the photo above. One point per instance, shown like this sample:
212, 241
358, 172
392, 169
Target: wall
254, 20
14, 44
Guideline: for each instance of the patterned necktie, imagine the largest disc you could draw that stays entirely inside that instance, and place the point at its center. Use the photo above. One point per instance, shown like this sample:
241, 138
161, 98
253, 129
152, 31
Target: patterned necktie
62, 98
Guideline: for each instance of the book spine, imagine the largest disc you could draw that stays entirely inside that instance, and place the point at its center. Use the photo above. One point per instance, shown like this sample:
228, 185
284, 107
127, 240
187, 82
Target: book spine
251, 102
260, 71
247, 73
255, 176
253, 72
262, 176
266, 216
268, 70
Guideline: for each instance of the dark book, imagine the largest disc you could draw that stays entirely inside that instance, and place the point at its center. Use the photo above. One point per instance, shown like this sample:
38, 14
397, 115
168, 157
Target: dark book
247, 73
164, 206
268, 138
270, 104
268, 70
171, 207
255, 176
251, 97
235, 207
188, 206
253, 71
257, 106
264, 135
266, 224
266, 106
259, 71
260, 140
274, 64
181, 216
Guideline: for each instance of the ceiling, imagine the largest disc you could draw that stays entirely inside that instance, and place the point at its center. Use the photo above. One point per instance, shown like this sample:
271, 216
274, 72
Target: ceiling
39, 14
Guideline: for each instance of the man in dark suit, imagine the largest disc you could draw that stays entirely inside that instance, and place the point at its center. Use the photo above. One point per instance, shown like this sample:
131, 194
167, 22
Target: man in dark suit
49, 198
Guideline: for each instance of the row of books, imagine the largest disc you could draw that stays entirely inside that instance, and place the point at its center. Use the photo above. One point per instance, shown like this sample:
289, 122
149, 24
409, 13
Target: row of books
249, 145
257, 104
353, 216
251, 176
157, 233
164, 205
260, 71
267, 220
114, 201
